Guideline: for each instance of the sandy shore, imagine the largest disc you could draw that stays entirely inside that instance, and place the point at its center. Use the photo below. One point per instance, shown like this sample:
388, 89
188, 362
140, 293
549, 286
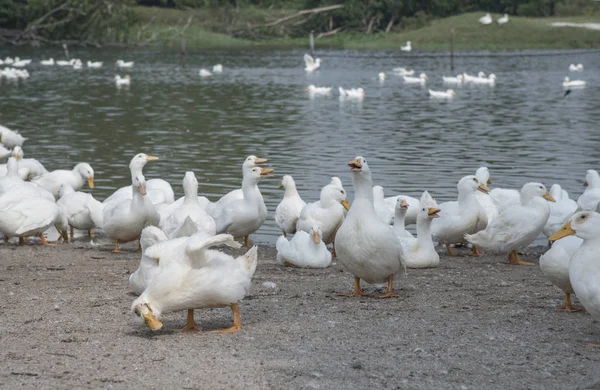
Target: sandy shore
471, 323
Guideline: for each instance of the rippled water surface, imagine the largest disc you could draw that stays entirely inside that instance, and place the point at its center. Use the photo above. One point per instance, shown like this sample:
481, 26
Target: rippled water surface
522, 129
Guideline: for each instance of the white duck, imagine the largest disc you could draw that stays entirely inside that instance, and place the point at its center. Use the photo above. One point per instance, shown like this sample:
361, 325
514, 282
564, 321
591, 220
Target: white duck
328, 213
366, 246
400, 215
124, 219
122, 81
555, 267
462, 216
24, 214
352, 93
96, 64
218, 68
48, 62
400, 71
415, 80
490, 80
447, 94
420, 252
516, 226
459, 79
305, 250
199, 220
576, 68
318, 91
65, 62
159, 192
204, 73
406, 47
560, 211
469, 79
288, 210
381, 208
311, 63
123, 64
5, 171
148, 268
381, 76
83, 212
30, 168
487, 19
10, 138
584, 268
249, 163
74, 178
78, 65
243, 217
503, 20
590, 198
193, 277
413, 207
14, 181
573, 83
483, 175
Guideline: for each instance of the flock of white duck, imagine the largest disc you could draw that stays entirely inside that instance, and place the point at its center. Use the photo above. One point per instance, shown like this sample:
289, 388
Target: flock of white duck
180, 271
408, 78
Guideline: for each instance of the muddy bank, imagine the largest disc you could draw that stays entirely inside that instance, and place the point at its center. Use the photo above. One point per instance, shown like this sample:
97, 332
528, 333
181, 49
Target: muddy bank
471, 323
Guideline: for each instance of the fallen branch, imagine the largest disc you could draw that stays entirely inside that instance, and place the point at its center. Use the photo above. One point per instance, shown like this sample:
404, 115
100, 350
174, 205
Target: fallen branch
303, 12
330, 33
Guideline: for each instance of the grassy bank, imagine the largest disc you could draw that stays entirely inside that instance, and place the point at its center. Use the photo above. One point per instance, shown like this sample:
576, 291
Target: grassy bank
210, 29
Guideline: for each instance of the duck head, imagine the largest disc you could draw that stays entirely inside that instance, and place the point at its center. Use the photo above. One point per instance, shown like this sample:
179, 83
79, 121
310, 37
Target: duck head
151, 235
145, 311
332, 193
483, 175
139, 161
584, 224
592, 179
253, 161
139, 184
532, 190
471, 184
86, 171
286, 182
17, 152
316, 234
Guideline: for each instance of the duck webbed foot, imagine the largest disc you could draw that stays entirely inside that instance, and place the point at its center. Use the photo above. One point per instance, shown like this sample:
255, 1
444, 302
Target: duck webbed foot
44, 241
513, 258
237, 321
358, 292
568, 306
190, 326
389, 293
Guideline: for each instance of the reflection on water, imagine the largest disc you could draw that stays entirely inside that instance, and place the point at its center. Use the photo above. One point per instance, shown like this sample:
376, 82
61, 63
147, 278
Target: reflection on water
522, 128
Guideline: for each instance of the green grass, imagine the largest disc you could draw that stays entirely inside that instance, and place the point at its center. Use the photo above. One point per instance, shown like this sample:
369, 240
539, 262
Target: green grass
211, 29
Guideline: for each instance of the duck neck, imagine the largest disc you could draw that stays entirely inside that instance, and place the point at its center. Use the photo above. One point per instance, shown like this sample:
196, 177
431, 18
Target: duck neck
250, 189
190, 193
290, 190
424, 231
399, 226
465, 198
363, 186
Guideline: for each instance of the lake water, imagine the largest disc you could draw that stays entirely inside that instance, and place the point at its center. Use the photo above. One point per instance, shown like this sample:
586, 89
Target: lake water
522, 129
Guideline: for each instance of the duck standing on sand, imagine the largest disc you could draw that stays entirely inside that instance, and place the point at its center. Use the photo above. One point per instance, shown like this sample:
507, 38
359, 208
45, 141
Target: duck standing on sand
584, 267
366, 246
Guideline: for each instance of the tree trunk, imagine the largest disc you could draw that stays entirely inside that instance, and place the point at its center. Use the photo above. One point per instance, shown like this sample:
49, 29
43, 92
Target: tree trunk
370, 26
389, 26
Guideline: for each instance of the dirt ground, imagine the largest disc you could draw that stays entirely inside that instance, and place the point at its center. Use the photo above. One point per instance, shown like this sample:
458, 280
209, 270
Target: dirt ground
472, 323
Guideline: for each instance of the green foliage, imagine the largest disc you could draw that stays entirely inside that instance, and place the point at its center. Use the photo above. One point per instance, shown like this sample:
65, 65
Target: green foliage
81, 20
